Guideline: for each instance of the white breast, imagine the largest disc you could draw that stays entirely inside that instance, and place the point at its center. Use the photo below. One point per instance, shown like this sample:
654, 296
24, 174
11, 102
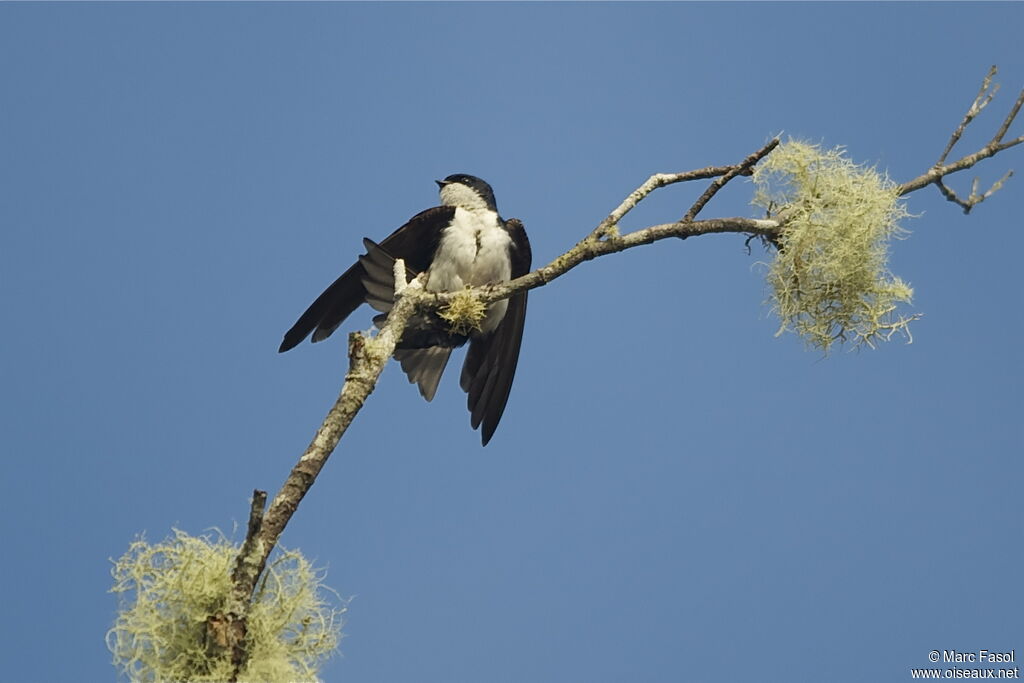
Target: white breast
474, 250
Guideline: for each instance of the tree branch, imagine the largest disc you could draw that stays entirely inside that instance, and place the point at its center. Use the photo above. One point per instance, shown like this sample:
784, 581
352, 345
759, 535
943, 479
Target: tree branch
367, 358
981, 101
368, 355
226, 630
937, 173
656, 181
247, 565
745, 167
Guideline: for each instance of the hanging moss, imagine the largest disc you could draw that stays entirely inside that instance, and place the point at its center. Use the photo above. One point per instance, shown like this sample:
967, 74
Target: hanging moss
167, 591
830, 280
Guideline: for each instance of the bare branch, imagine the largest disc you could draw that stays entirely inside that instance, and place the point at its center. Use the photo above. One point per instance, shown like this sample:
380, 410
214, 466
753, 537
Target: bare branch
973, 198
980, 102
1009, 119
937, 173
998, 185
745, 167
650, 185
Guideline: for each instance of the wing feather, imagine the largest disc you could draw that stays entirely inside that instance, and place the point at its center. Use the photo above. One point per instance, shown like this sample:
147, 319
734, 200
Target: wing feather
415, 242
491, 361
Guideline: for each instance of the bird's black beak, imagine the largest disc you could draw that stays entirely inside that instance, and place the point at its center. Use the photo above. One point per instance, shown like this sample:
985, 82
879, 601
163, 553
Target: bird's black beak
441, 183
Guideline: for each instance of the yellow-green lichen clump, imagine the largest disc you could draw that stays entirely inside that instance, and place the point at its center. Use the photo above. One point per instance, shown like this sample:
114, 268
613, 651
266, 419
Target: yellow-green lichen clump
464, 314
168, 590
830, 279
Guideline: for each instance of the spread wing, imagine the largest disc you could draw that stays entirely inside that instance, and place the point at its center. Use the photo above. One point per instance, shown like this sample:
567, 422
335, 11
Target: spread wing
415, 242
491, 360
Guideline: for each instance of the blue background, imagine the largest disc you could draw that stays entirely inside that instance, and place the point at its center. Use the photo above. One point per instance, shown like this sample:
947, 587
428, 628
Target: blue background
674, 494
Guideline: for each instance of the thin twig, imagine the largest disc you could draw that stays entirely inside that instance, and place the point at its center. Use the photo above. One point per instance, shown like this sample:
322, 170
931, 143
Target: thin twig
980, 102
937, 173
650, 185
745, 167
1009, 118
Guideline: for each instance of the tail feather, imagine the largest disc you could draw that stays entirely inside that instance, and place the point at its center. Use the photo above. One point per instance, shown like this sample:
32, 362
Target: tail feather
424, 367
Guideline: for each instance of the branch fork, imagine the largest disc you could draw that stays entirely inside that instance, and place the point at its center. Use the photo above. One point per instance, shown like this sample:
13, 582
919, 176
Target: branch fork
936, 175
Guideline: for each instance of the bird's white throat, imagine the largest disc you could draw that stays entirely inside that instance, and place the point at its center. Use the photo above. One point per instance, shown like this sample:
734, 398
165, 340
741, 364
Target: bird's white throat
457, 194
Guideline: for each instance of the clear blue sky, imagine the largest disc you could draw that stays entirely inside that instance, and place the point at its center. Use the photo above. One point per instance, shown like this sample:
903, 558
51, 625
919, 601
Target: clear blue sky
674, 494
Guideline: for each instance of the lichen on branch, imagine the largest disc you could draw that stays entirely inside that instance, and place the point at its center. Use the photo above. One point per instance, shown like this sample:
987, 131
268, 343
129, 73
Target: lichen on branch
465, 313
830, 279
169, 590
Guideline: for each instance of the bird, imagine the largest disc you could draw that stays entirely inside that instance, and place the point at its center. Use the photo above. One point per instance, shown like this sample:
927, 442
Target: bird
463, 242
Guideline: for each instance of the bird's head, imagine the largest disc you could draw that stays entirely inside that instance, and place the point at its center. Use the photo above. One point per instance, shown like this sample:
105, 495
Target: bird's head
467, 192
